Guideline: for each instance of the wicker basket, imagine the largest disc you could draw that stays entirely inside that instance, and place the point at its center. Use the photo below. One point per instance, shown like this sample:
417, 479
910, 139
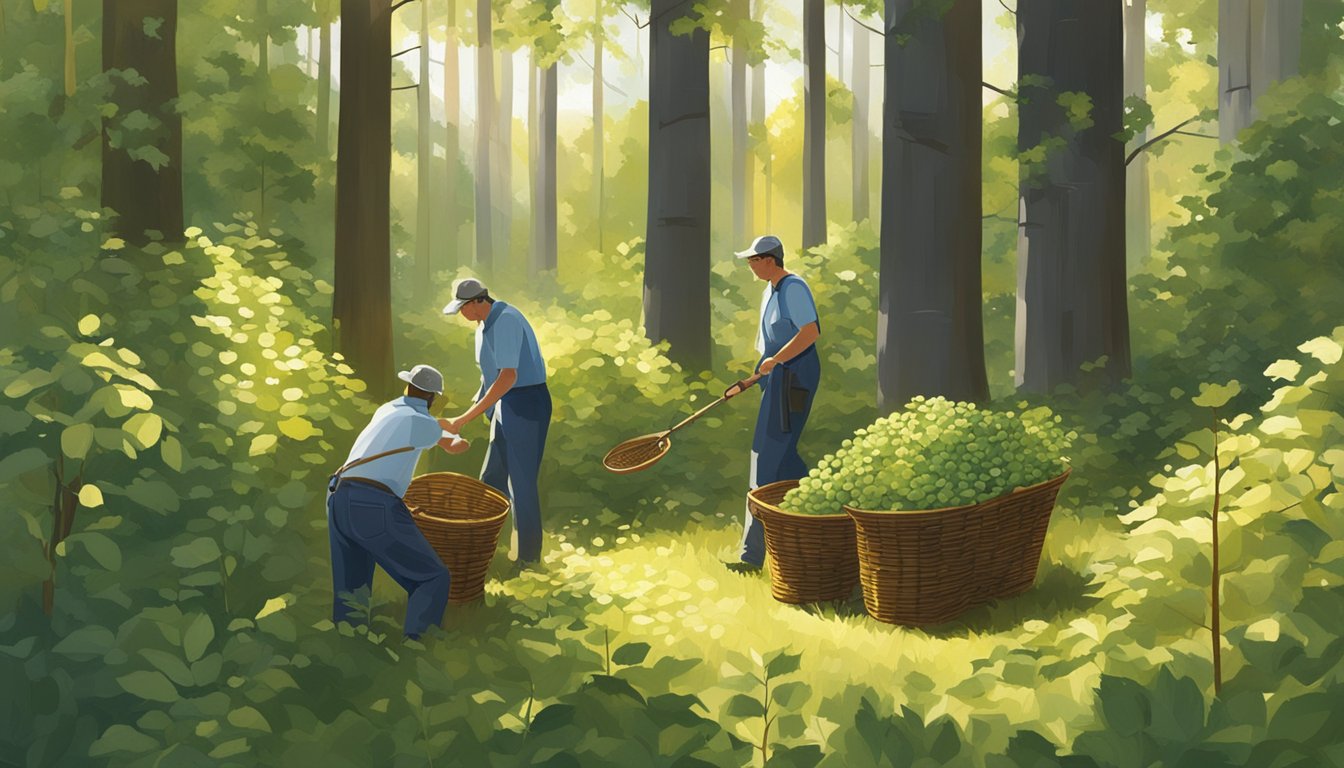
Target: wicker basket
461, 518
922, 568
812, 557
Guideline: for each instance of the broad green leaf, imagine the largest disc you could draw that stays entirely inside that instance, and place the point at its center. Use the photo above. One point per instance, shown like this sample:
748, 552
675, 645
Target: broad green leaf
28, 381
89, 324
1217, 395
790, 695
202, 551
150, 686
630, 653
76, 440
261, 444
744, 705
1323, 348
249, 717
131, 397
197, 637
102, 549
170, 450
782, 664
87, 642
144, 429
122, 738
297, 428
272, 606
1284, 369
16, 464
90, 496
1124, 705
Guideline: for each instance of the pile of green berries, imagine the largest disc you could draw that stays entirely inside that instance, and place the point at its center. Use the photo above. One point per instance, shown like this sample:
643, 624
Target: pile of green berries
935, 453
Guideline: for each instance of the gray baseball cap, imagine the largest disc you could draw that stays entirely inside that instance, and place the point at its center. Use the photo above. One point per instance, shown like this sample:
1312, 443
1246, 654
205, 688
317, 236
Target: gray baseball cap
423, 377
765, 245
464, 290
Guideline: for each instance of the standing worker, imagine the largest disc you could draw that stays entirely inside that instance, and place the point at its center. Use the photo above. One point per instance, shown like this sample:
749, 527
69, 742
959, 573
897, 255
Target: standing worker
366, 518
791, 371
514, 397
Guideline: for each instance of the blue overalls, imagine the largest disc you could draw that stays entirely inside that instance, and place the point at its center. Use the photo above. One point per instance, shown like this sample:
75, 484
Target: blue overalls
789, 390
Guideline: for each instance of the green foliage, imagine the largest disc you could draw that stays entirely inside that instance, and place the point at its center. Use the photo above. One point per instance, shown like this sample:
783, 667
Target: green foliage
935, 453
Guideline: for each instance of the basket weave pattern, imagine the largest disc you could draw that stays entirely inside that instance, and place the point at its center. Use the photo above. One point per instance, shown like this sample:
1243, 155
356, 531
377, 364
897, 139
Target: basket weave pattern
812, 558
461, 517
922, 568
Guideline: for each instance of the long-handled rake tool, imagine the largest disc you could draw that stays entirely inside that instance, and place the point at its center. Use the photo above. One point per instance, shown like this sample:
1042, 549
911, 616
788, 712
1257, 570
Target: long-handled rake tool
645, 451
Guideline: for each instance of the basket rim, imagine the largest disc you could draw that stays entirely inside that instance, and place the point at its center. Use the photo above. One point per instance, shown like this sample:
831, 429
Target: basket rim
415, 511
666, 438
751, 494
856, 512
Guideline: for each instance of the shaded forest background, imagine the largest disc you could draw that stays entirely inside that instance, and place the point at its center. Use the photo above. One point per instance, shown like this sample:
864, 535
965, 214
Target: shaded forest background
218, 241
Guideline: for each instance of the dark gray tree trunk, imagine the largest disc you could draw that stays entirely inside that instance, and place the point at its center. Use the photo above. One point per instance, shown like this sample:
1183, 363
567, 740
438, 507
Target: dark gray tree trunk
1071, 300
324, 90
739, 119
676, 263
146, 199
758, 125
452, 143
264, 45
814, 122
361, 306
1259, 44
502, 185
424, 164
544, 222
599, 133
930, 340
485, 126
1138, 222
859, 141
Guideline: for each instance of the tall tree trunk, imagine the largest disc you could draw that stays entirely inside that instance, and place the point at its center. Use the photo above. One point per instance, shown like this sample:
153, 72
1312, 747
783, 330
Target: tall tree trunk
676, 262
930, 340
1071, 301
840, 43
145, 197
758, 124
69, 48
264, 46
485, 124
452, 144
859, 141
545, 242
502, 184
740, 11
324, 90
361, 306
533, 150
814, 123
599, 131
1138, 223
1259, 44
424, 163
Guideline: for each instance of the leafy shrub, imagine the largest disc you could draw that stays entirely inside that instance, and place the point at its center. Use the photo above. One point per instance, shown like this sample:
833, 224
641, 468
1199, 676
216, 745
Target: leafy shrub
935, 453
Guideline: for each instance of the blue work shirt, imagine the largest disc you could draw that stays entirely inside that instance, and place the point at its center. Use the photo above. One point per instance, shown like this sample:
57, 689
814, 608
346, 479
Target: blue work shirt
506, 340
400, 423
785, 309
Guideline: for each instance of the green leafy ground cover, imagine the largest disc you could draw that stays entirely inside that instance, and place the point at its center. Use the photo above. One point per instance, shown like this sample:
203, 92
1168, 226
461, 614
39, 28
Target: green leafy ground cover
189, 621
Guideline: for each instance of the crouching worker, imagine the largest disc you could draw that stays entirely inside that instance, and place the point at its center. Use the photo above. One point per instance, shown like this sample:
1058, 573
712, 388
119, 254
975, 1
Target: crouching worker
366, 517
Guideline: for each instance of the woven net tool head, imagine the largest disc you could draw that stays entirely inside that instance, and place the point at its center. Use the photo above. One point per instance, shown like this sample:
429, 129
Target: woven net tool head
637, 453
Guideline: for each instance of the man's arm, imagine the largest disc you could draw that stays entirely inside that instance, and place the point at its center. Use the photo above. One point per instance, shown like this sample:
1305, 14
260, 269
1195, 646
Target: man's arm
804, 338
502, 384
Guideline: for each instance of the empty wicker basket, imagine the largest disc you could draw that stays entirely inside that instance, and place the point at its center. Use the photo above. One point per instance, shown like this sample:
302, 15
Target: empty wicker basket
812, 557
461, 518
924, 567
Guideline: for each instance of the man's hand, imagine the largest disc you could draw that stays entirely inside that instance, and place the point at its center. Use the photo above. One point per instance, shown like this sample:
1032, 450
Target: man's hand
767, 365
455, 424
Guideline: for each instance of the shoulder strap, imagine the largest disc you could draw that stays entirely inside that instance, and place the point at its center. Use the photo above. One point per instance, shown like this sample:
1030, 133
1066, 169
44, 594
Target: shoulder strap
375, 457
803, 282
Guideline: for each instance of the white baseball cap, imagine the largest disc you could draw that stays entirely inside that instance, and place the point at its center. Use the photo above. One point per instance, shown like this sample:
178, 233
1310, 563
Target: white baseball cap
765, 245
423, 377
464, 290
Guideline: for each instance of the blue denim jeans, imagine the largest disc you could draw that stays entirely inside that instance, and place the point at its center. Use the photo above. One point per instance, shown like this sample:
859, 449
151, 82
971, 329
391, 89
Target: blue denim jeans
774, 447
369, 526
518, 430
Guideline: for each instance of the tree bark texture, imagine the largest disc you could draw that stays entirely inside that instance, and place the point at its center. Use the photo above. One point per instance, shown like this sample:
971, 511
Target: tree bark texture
324, 90
739, 126
502, 184
424, 164
859, 141
485, 121
146, 199
814, 123
452, 116
1071, 294
676, 264
544, 221
930, 340
1259, 44
1138, 218
361, 306
599, 131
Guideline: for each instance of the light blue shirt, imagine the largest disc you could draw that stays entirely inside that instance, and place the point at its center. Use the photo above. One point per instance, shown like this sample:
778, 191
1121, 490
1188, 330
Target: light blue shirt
400, 423
506, 340
785, 309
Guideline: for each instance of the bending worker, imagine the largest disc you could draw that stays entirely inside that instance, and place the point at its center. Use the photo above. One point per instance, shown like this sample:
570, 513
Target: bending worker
785, 338
366, 518
514, 397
